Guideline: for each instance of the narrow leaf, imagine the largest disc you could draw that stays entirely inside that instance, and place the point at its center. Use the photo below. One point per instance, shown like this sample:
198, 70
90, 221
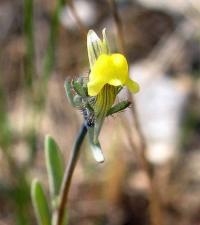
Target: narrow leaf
40, 203
29, 40
118, 107
54, 164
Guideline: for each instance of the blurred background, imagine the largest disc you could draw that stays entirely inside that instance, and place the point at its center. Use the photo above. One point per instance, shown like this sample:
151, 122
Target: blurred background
43, 42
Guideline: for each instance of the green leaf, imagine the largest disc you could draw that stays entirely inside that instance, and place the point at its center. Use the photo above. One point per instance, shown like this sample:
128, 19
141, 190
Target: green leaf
80, 90
118, 107
69, 95
40, 203
29, 40
54, 164
5, 125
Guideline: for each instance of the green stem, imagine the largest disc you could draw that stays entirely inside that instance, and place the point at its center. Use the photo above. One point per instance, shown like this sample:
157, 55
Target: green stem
30, 44
68, 175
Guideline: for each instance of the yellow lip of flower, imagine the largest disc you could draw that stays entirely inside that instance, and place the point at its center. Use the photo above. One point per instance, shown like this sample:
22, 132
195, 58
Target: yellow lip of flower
110, 69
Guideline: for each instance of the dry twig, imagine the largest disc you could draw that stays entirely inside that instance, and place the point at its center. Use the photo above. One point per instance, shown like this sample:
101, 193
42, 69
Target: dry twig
155, 208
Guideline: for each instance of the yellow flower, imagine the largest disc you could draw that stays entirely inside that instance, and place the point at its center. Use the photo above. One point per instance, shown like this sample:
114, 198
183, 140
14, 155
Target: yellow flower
96, 96
108, 72
110, 69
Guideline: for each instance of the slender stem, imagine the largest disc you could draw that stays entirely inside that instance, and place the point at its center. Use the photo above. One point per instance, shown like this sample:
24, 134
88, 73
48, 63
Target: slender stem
30, 44
155, 209
49, 59
68, 175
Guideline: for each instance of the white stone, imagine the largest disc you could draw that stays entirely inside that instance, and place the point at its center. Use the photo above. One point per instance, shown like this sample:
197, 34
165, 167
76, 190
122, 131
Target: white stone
160, 104
85, 10
178, 6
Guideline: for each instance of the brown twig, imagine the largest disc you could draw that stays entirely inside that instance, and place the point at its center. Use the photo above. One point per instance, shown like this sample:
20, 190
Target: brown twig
155, 208
119, 27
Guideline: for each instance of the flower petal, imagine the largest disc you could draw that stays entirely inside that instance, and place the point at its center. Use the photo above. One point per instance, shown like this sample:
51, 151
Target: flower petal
96, 148
105, 45
132, 85
115, 82
97, 152
94, 87
94, 47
